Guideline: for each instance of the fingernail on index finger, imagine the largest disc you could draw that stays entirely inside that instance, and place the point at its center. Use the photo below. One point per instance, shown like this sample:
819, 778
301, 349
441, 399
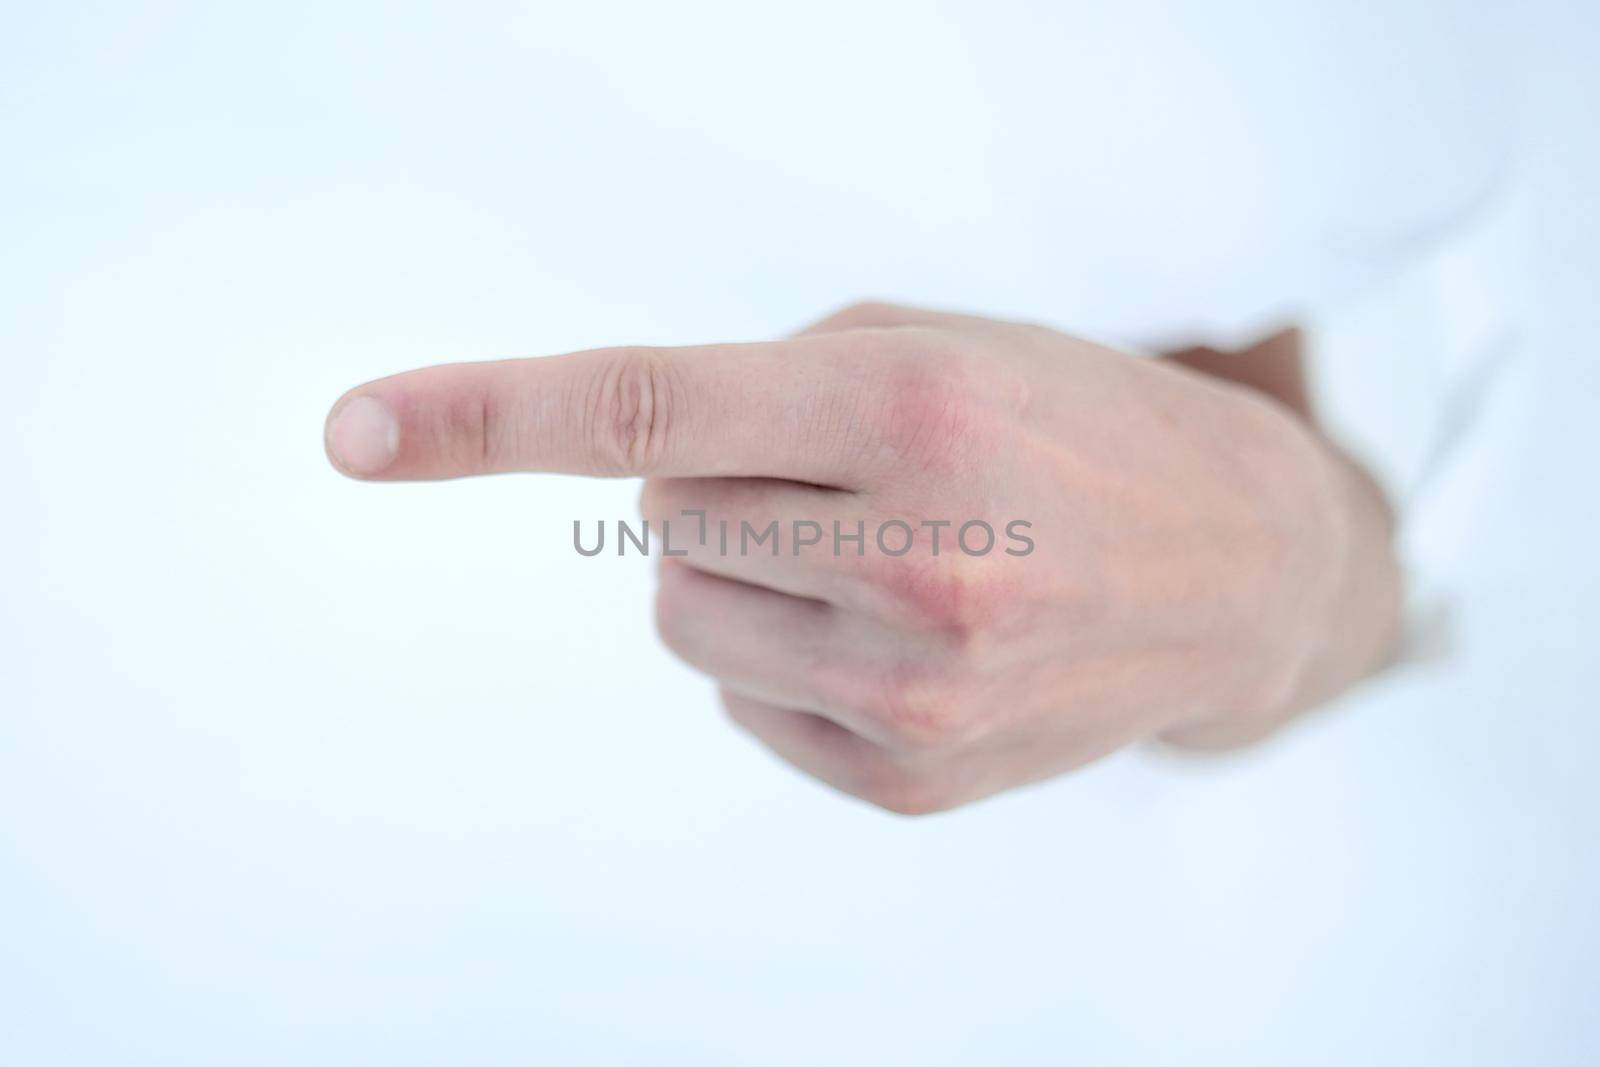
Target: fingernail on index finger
363, 436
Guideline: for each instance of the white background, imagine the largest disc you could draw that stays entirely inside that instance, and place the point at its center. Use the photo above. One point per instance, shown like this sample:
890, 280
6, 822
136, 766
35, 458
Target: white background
295, 770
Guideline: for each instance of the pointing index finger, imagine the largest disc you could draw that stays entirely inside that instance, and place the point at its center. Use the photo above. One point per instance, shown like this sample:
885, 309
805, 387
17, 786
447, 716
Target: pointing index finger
793, 409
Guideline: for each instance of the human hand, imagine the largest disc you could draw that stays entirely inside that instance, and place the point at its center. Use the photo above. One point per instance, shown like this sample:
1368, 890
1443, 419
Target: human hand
1187, 559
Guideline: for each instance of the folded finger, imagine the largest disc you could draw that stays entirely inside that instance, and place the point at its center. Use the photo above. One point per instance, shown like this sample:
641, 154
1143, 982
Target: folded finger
833, 755
787, 650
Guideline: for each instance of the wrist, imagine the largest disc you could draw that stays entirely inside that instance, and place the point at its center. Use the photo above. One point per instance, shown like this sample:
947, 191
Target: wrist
1350, 619
1363, 623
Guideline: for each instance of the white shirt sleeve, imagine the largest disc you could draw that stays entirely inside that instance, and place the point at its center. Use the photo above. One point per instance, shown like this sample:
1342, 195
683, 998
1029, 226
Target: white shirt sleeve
1400, 370
1402, 376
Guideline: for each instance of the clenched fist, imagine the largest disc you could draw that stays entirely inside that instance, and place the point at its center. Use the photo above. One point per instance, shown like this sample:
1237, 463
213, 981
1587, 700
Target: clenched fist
1168, 553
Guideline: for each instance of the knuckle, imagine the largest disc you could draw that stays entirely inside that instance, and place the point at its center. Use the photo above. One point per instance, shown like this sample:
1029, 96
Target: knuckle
908, 794
487, 433
931, 409
916, 710
475, 432
631, 411
867, 313
953, 596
